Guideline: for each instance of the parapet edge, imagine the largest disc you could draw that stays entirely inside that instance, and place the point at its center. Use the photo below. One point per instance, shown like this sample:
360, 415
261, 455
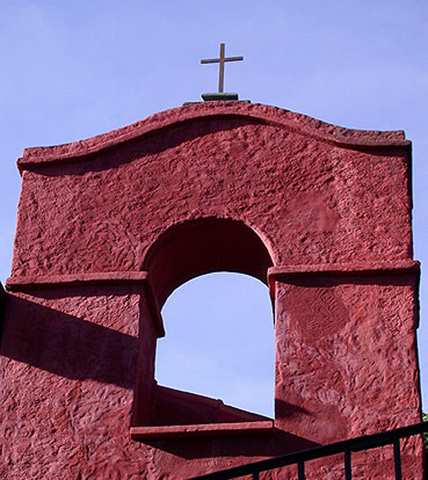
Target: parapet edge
301, 123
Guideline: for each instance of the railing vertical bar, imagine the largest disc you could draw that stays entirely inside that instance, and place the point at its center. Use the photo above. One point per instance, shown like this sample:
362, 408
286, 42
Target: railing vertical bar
348, 465
301, 470
397, 459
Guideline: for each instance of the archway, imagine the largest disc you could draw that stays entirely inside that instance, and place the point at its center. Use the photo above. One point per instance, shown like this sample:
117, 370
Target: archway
186, 251
196, 247
220, 341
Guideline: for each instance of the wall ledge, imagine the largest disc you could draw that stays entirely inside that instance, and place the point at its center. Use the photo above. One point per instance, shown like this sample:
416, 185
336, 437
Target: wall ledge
21, 283
27, 284
351, 268
198, 430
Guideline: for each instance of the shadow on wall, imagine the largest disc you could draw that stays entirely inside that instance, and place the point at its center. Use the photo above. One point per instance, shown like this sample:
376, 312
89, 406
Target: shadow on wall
172, 408
149, 144
73, 348
66, 345
271, 444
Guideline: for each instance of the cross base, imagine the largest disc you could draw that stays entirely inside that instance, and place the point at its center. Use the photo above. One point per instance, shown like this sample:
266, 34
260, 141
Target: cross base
221, 96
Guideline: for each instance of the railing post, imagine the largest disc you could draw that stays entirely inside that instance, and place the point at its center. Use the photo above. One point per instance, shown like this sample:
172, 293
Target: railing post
397, 459
348, 465
301, 471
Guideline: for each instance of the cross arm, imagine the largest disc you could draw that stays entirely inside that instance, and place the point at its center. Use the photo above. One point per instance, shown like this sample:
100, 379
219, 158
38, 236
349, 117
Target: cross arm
233, 59
218, 60
210, 60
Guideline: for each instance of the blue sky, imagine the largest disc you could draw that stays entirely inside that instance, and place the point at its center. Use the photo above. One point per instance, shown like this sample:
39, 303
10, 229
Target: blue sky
75, 69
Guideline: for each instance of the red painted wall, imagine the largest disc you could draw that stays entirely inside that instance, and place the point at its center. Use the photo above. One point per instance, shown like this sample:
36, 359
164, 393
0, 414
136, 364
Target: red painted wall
327, 210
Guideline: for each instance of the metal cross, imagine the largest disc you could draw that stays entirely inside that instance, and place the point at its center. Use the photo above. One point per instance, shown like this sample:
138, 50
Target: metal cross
222, 60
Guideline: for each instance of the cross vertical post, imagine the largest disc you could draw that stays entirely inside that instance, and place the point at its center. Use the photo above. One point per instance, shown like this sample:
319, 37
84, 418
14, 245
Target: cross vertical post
221, 69
221, 60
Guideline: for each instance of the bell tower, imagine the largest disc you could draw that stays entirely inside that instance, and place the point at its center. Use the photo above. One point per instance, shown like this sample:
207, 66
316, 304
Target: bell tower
109, 226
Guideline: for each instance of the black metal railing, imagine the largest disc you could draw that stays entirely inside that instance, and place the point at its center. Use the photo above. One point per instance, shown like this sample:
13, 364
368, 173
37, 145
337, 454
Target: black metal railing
346, 448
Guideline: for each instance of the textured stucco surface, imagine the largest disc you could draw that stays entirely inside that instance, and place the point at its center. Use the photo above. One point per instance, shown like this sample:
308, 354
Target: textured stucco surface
347, 350
77, 358
67, 366
310, 200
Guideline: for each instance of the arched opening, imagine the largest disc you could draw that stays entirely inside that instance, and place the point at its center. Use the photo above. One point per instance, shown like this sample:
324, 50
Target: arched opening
191, 250
220, 341
196, 247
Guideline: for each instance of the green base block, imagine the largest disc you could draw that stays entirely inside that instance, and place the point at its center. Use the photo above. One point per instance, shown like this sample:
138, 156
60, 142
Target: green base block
209, 97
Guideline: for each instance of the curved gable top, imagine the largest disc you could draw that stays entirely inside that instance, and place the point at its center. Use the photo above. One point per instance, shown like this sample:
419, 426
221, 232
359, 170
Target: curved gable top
297, 122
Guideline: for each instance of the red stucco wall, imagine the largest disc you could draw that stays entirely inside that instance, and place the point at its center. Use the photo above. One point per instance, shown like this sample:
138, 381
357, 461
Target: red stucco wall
77, 351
